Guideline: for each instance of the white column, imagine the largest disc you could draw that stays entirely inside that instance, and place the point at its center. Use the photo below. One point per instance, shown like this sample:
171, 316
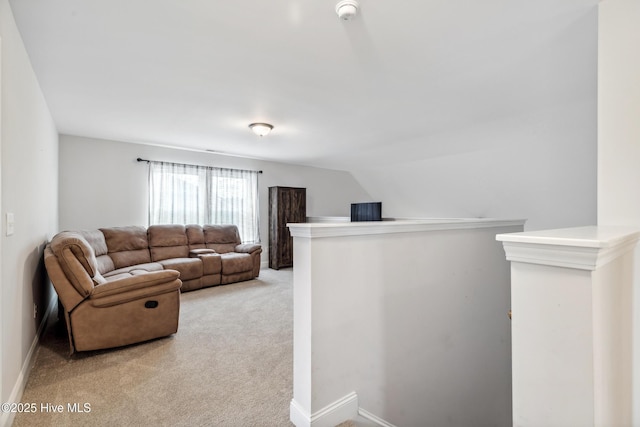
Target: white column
571, 326
619, 132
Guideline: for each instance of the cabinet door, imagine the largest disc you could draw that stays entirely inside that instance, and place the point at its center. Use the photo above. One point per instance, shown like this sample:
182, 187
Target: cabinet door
297, 211
273, 227
285, 214
286, 204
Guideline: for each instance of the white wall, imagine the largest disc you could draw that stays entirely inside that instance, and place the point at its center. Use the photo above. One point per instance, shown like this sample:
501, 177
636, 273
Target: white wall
413, 320
29, 166
537, 163
619, 135
102, 184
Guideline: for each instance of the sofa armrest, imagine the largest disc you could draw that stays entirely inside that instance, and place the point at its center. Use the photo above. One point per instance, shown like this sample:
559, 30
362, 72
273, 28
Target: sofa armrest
248, 248
194, 253
135, 282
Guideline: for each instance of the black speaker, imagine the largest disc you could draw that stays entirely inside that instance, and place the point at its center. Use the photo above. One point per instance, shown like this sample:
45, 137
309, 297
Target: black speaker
371, 211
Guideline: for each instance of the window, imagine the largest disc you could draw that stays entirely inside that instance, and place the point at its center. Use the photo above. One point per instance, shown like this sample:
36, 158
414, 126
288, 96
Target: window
189, 194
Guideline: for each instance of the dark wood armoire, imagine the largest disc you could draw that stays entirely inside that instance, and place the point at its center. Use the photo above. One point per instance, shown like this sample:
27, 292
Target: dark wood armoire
286, 204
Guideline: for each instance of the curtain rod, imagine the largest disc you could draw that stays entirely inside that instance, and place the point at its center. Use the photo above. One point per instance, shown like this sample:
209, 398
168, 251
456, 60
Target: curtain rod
186, 164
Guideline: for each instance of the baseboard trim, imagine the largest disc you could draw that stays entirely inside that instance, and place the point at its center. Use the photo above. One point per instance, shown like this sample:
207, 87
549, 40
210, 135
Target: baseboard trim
373, 418
6, 418
331, 415
298, 416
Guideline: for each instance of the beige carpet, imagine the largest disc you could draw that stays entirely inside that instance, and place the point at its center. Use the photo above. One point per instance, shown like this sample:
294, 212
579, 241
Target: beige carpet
230, 364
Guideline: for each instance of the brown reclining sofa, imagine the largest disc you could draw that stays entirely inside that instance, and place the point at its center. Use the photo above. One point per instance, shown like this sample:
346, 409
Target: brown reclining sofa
121, 285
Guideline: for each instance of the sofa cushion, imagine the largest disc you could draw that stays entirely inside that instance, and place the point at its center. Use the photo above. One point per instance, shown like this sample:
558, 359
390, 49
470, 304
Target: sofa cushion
221, 238
234, 262
168, 241
195, 236
127, 245
167, 235
222, 248
146, 268
105, 264
189, 268
95, 238
99, 245
159, 254
221, 234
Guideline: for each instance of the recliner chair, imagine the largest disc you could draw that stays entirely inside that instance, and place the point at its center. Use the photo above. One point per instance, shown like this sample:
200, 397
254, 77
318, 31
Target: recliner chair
100, 312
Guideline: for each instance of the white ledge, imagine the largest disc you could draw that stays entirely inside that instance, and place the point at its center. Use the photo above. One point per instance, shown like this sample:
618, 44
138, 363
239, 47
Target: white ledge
584, 248
318, 230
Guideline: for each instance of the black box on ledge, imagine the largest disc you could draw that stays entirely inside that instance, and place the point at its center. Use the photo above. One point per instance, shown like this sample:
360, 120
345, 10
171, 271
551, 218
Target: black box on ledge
371, 211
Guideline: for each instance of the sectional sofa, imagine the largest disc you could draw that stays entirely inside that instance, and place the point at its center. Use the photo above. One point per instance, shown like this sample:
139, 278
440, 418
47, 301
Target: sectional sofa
121, 285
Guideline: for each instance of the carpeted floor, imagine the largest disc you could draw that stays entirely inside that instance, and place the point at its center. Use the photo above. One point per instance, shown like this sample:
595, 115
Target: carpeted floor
229, 365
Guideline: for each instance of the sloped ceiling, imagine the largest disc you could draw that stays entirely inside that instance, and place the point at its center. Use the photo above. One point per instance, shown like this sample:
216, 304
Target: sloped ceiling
195, 73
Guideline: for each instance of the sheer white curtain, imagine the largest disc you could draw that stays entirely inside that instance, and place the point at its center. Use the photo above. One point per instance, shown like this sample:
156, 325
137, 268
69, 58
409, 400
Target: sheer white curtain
189, 194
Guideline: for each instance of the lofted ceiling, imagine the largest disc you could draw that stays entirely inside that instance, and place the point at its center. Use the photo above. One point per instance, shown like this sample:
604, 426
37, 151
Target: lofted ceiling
195, 73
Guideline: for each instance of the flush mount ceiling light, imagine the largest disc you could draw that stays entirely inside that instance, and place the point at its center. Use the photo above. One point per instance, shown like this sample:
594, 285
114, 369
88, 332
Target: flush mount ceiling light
347, 9
261, 129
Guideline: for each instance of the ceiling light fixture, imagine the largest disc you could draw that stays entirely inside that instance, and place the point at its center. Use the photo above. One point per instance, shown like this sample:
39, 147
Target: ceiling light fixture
347, 9
261, 129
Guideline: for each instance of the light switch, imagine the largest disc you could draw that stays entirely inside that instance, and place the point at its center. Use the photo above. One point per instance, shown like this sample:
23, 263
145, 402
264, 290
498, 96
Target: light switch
10, 224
